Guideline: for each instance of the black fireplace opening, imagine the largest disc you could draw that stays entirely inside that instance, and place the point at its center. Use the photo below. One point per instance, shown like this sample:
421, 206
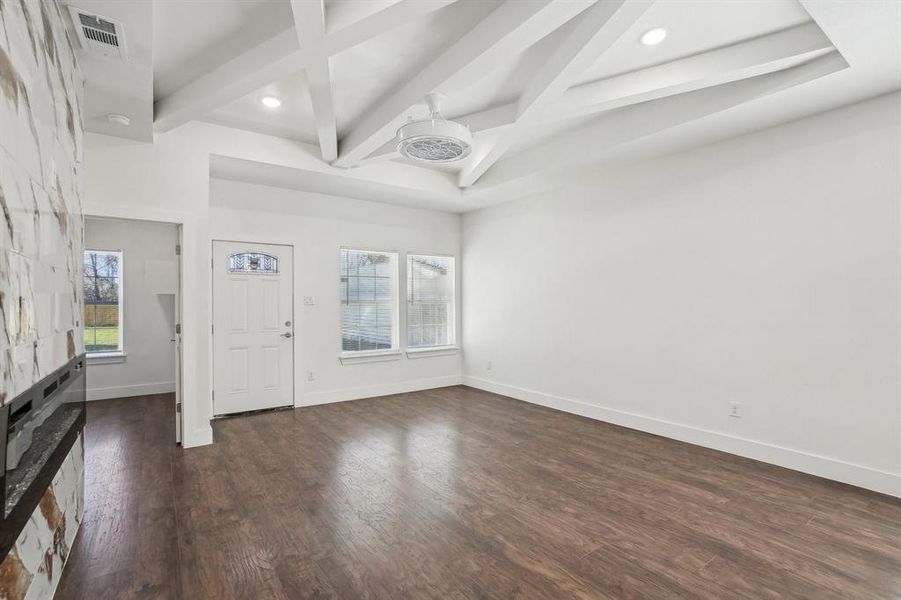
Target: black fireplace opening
40, 427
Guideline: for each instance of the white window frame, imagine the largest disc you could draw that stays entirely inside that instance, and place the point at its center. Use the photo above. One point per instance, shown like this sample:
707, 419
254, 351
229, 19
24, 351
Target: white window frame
386, 354
119, 354
438, 350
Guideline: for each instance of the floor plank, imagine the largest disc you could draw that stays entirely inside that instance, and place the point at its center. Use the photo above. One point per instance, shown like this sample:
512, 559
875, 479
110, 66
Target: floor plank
457, 493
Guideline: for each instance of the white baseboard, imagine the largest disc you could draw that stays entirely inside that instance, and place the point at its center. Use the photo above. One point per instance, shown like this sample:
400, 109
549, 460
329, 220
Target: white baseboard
126, 391
830, 468
371, 391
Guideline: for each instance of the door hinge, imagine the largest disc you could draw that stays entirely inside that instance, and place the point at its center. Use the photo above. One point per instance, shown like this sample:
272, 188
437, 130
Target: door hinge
177, 249
178, 408
211, 328
213, 394
211, 264
178, 328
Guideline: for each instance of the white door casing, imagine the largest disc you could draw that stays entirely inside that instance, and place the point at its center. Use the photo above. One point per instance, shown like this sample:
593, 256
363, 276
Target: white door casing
179, 392
253, 327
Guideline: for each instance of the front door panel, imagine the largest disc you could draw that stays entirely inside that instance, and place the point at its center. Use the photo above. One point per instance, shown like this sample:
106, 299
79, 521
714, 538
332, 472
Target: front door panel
253, 343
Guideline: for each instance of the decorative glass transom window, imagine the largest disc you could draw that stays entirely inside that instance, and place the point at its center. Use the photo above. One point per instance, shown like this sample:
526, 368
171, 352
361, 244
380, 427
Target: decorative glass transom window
252, 262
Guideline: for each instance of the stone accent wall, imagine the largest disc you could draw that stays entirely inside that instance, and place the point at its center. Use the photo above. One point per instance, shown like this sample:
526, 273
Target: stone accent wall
41, 223
32, 569
41, 245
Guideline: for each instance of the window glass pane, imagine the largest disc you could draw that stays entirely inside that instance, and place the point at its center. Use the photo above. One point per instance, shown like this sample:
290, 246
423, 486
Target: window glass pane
102, 307
382, 288
252, 262
367, 298
430, 300
353, 288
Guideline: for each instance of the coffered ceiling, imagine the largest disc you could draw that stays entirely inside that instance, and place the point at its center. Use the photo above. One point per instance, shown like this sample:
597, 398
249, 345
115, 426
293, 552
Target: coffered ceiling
546, 86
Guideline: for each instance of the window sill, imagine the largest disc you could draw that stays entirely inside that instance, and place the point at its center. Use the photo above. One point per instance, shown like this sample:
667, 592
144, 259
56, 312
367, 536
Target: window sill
368, 356
105, 358
432, 351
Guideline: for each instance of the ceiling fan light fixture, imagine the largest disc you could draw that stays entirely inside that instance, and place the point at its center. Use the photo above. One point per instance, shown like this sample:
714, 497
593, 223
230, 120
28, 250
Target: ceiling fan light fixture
434, 139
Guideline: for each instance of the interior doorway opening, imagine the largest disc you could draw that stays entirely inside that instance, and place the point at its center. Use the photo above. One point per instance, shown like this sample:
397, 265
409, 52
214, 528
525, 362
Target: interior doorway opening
131, 273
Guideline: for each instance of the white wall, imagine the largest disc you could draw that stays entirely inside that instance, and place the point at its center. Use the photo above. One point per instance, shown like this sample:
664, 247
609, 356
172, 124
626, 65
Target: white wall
762, 270
169, 181
149, 365
318, 226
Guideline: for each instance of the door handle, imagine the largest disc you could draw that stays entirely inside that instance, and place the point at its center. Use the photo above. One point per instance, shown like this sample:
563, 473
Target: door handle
286, 335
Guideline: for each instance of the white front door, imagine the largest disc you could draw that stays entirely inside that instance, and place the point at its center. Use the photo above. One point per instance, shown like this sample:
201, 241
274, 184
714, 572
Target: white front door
253, 327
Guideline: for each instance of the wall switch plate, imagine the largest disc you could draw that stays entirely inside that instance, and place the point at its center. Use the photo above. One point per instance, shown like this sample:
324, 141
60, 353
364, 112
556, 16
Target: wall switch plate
311, 376
489, 365
309, 300
735, 409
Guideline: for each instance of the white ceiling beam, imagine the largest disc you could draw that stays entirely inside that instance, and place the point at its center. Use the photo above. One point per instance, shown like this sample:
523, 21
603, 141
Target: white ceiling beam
589, 36
757, 56
309, 23
275, 59
632, 123
752, 57
507, 30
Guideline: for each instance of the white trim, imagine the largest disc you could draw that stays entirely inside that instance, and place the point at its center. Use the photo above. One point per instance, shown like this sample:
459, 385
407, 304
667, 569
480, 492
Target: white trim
127, 391
105, 358
369, 356
430, 351
373, 391
195, 390
199, 437
821, 466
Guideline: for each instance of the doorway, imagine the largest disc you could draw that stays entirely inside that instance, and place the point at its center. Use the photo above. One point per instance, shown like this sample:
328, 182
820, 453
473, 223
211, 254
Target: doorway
132, 312
253, 327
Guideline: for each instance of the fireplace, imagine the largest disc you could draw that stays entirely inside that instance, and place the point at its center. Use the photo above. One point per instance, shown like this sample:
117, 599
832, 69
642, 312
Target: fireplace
39, 426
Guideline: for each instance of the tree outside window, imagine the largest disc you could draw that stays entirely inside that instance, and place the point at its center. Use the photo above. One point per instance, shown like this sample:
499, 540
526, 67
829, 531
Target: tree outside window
102, 283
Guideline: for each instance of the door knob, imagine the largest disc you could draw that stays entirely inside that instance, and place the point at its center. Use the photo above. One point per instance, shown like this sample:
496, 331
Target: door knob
286, 335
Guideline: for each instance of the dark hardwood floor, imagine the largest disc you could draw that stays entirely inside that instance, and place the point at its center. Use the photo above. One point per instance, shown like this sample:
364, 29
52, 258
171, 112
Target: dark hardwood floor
457, 493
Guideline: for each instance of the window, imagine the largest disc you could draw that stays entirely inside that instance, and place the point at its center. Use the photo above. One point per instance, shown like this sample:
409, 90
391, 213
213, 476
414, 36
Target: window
252, 262
430, 301
102, 283
368, 300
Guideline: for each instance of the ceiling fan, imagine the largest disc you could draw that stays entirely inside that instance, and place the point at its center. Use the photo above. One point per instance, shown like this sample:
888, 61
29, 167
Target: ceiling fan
434, 139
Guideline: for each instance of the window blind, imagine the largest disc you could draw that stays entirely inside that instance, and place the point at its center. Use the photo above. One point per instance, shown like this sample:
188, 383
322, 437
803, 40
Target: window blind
368, 302
430, 300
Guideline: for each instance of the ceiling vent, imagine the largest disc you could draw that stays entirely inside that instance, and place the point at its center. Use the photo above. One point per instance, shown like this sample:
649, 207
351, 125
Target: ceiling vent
99, 35
434, 139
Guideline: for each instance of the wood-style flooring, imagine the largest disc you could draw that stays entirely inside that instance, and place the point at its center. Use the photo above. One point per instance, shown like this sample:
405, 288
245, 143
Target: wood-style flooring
457, 493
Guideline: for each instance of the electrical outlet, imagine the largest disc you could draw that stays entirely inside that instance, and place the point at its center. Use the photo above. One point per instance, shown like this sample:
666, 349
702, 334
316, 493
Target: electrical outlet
489, 365
309, 300
311, 376
735, 410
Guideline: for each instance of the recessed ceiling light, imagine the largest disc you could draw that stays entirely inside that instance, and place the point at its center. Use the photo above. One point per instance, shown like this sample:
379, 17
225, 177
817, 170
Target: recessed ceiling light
653, 36
271, 101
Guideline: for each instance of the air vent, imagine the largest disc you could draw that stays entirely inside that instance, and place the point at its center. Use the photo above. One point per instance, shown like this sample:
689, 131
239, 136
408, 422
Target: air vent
99, 35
